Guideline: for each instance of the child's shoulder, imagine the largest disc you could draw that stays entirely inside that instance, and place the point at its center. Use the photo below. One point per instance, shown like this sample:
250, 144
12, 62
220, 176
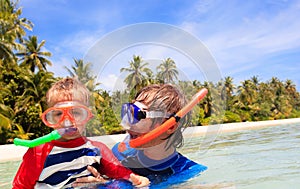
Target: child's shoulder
41, 148
122, 150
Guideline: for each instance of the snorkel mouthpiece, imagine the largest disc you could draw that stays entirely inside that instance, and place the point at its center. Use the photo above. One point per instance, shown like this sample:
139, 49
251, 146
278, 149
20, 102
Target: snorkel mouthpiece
66, 130
54, 135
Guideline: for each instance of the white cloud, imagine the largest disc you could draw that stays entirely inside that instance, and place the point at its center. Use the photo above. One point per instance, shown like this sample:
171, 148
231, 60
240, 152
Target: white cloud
252, 38
58, 66
81, 42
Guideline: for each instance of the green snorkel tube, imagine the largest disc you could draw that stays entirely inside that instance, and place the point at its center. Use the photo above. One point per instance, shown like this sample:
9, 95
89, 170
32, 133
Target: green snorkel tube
54, 135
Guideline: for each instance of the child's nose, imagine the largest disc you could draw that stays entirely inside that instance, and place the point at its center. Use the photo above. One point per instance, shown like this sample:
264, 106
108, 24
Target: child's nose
67, 123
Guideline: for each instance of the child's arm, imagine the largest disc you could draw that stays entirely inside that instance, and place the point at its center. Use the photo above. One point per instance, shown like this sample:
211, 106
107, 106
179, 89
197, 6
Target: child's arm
111, 167
106, 153
109, 164
113, 170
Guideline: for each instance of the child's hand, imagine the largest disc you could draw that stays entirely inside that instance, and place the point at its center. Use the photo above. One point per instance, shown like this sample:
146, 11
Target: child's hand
83, 181
139, 181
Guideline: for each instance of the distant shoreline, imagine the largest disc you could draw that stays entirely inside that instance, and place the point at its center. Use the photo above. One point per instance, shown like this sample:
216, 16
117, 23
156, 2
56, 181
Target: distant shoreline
10, 152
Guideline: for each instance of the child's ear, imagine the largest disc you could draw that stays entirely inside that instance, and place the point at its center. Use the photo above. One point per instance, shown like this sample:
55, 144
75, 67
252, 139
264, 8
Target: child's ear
172, 129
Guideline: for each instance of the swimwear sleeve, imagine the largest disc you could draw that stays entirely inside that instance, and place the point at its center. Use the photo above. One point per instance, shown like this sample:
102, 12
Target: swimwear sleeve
112, 170
24, 179
31, 167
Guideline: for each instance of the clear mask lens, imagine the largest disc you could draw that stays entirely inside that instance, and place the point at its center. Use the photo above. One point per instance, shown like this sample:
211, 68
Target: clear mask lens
54, 116
79, 114
129, 113
74, 114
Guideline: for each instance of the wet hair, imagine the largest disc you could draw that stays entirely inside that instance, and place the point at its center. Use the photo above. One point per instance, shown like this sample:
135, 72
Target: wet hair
169, 99
68, 89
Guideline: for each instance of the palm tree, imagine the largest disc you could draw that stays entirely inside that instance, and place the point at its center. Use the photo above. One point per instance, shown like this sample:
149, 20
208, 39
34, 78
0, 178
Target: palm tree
212, 104
246, 92
6, 124
206, 103
229, 86
6, 112
167, 71
82, 71
32, 56
255, 82
245, 100
12, 28
291, 89
137, 73
229, 89
33, 100
35, 91
276, 85
23, 101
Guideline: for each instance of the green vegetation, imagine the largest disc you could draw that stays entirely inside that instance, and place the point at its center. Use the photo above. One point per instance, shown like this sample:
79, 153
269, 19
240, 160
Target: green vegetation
24, 81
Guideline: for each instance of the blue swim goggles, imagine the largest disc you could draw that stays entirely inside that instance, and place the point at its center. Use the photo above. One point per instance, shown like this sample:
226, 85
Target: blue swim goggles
131, 113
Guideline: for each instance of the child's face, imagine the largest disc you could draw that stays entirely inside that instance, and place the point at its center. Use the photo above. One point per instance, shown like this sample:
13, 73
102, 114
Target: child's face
69, 115
143, 126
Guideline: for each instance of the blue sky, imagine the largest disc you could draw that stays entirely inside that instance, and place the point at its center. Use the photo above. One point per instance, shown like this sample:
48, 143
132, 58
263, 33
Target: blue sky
245, 38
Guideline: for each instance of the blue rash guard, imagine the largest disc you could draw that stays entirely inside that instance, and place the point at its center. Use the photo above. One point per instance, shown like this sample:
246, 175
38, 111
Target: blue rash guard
158, 171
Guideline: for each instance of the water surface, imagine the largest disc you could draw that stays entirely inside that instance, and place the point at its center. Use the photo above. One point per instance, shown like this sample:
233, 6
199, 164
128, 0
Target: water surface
252, 159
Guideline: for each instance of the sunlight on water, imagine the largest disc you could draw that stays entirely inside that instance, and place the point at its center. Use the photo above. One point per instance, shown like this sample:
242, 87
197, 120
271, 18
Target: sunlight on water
264, 158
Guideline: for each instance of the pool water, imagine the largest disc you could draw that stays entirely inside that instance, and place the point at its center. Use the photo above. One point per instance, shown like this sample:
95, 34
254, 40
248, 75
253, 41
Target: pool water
252, 159
7, 173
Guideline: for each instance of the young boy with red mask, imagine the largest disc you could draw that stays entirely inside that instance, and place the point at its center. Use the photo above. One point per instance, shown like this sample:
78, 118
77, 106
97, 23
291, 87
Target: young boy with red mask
59, 163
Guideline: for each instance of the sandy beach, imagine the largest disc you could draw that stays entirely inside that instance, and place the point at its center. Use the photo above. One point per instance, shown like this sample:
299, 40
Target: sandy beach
10, 152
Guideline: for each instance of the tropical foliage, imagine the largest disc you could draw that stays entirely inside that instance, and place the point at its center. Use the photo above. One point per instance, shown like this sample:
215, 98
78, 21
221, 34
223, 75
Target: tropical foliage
24, 81
138, 72
167, 71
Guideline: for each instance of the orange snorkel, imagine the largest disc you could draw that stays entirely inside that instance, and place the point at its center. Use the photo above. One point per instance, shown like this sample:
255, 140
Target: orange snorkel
134, 143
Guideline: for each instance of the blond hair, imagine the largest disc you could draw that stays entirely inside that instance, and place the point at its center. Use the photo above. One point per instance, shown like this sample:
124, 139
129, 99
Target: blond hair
68, 89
